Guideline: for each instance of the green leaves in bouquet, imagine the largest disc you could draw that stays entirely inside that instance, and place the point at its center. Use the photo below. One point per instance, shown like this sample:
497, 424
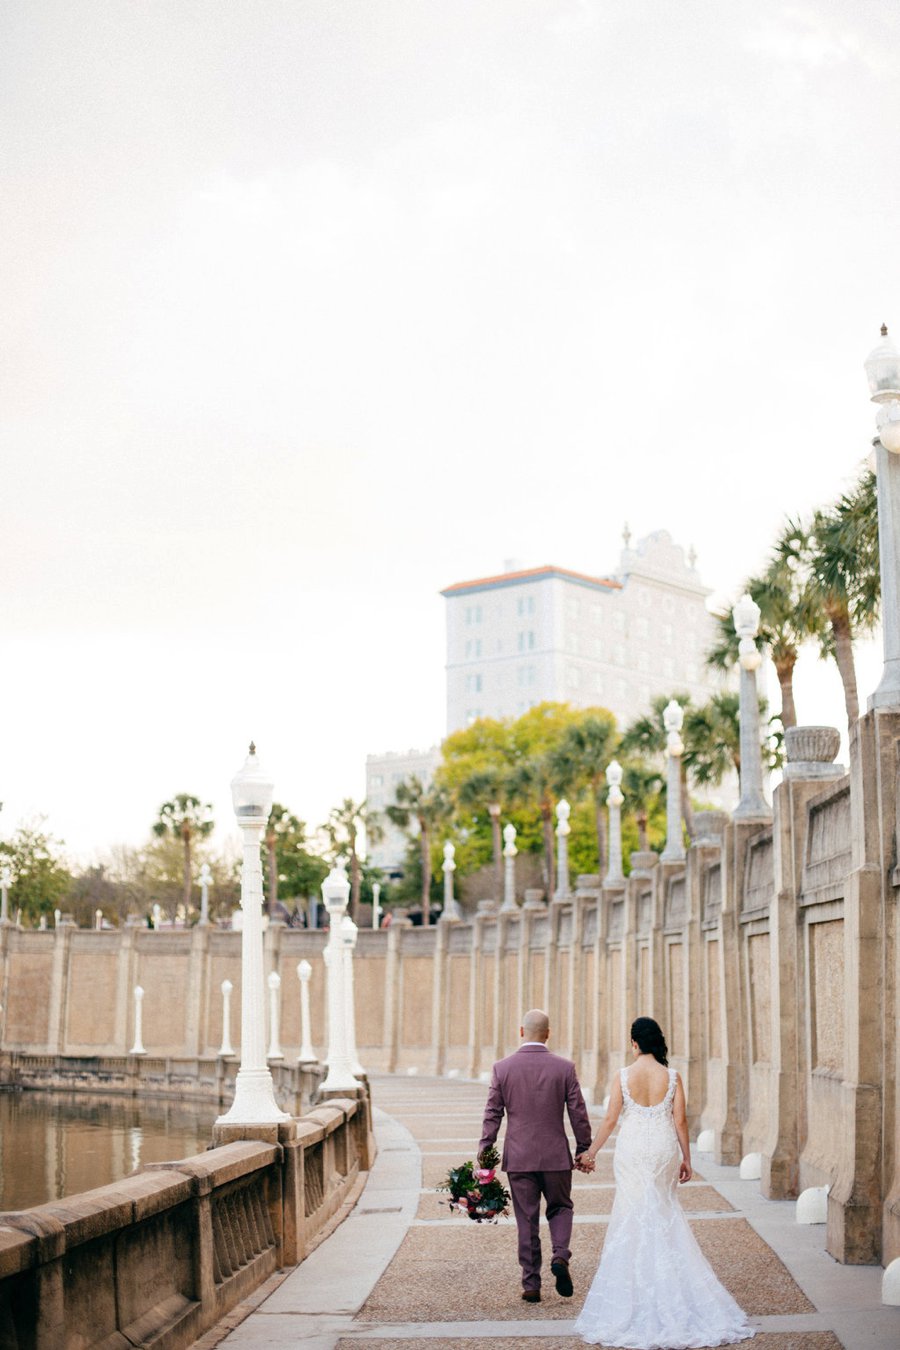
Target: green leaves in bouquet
460, 1180
489, 1157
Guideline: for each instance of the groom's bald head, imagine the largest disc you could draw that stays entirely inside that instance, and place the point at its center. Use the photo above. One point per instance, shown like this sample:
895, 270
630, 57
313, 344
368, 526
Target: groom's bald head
535, 1026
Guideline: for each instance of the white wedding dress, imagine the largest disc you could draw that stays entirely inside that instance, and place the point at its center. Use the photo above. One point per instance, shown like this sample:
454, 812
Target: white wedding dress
654, 1288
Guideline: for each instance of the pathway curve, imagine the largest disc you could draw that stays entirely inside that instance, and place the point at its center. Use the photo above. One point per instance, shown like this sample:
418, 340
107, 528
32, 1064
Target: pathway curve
402, 1272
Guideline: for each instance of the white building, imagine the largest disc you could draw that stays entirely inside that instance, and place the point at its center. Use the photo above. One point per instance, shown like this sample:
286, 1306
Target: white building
383, 774
547, 633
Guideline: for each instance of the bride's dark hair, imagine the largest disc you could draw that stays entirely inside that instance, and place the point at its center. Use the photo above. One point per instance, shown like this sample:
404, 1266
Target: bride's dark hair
649, 1039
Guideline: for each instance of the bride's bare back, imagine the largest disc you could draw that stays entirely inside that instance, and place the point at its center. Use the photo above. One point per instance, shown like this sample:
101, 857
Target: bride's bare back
648, 1081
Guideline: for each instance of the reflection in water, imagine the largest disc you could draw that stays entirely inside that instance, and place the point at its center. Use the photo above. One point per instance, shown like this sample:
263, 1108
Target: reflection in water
54, 1144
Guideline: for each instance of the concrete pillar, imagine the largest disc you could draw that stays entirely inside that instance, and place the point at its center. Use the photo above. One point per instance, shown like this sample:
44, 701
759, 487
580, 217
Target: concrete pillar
138, 1047
439, 991
753, 805
205, 879
254, 1096
509, 871
226, 1049
563, 830
307, 1054
451, 908
349, 934
673, 719
376, 906
6, 881
336, 893
614, 800
476, 1029
392, 987
274, 983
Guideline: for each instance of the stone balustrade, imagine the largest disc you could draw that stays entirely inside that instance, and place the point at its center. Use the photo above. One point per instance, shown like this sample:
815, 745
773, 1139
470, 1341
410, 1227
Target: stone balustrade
770, 954
162, 1255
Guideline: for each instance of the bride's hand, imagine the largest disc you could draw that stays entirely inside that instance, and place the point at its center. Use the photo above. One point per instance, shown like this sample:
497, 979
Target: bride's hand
685, 1172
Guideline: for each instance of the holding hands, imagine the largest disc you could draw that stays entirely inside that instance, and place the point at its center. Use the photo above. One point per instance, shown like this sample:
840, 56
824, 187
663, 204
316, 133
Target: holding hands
584, 1162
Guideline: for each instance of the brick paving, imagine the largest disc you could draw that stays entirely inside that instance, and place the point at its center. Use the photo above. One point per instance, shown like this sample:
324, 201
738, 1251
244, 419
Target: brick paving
404, 1272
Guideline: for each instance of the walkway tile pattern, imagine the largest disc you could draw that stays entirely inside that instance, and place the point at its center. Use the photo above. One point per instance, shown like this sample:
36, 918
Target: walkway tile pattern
404, 1272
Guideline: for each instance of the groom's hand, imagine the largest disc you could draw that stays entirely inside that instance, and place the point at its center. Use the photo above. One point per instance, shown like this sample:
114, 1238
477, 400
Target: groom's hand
584, 1164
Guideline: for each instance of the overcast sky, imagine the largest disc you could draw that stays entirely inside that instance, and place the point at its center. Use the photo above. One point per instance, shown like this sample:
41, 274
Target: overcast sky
311, 309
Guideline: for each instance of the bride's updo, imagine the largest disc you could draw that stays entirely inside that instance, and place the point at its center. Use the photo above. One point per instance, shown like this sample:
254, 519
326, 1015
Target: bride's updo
649, 1039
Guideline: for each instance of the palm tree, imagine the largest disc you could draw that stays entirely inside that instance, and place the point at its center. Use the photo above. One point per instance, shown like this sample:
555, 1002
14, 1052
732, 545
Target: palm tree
343, 828
836, 556
485, 787
579, 762
784, 625
641, 785
531, 781
185, 818
426, 807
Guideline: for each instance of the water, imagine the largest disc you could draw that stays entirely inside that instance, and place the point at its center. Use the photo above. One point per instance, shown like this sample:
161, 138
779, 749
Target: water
54, 1144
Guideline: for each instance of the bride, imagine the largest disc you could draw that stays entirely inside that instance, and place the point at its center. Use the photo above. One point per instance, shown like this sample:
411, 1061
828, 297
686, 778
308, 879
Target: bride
654, 1288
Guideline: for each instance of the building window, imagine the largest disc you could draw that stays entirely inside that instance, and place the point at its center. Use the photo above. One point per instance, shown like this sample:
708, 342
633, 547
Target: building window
598, 683
620, 621
597, 610
572, 606
669, 668
526, 675
598, 646
525, 605
473, 684
531, 640
572, 641
377, 780
667, 634
473, 715
473, 648
526, 640
473, 614
642, 627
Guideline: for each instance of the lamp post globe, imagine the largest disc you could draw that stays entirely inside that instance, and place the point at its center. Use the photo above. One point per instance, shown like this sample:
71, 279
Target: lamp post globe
252, 792
745, 616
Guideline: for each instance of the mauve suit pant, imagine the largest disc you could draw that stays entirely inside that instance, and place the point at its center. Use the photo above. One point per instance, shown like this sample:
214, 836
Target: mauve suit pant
526, 1189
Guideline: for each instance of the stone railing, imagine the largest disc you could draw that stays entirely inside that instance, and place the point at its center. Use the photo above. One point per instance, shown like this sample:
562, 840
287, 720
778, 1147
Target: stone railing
295, 1085
162, 1255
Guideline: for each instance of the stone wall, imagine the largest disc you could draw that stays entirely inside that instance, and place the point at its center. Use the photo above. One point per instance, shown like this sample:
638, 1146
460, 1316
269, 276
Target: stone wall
771, 958
162, 1255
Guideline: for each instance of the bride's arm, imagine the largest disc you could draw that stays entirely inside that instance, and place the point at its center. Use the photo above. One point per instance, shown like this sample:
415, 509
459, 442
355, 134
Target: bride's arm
614, 1106
679, 1115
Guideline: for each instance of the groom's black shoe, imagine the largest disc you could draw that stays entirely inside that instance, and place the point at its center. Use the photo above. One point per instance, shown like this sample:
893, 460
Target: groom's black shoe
560, 1269
531, 1295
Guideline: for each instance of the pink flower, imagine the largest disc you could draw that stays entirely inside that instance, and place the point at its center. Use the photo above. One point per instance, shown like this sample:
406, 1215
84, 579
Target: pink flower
485, 1174
474, 1195
462, 1202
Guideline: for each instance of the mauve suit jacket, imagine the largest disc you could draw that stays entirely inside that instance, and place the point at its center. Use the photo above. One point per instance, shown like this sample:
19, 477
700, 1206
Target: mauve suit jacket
534, 1087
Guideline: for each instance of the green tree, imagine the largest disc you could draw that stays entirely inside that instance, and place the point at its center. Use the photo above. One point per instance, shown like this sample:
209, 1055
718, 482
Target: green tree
344, 826
41, 879
836, 558
185, 818
579, 761
289, 862
425, 808
645, 737
642, 786
786, 621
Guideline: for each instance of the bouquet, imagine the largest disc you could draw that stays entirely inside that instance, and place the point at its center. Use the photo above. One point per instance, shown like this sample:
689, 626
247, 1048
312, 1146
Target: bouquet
475, 1191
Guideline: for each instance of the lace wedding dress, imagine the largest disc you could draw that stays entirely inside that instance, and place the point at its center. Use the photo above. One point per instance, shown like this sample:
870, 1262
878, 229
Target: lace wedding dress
654, 1288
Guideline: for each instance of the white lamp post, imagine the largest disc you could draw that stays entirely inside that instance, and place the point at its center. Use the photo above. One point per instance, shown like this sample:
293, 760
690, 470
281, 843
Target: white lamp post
307, 1054
753, 805
6, 880
98, 919
57, 916
138, 1047
451, 908
509, 868
883, 371
673, 720
336, 893
614, 800
563, 830
226, 1048
376, 907
157, 917
205, 879
254, 1097
274, 1046
349, 934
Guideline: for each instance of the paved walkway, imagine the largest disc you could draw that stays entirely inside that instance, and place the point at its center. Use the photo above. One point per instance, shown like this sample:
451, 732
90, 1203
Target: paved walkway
402, 1272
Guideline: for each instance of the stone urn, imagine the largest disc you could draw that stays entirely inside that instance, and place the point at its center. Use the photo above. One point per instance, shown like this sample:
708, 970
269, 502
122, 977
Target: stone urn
643, 861
534, 898
809, 752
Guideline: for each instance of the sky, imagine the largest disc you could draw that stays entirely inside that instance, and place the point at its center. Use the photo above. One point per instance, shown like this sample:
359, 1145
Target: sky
312, 309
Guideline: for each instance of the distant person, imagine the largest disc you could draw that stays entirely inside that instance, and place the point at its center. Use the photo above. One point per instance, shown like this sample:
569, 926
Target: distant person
654, 1286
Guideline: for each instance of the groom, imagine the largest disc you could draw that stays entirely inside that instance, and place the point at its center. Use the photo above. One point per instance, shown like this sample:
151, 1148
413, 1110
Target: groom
534, 1088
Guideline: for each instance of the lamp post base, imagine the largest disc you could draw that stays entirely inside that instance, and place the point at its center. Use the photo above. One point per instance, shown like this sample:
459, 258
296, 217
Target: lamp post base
254, 1101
